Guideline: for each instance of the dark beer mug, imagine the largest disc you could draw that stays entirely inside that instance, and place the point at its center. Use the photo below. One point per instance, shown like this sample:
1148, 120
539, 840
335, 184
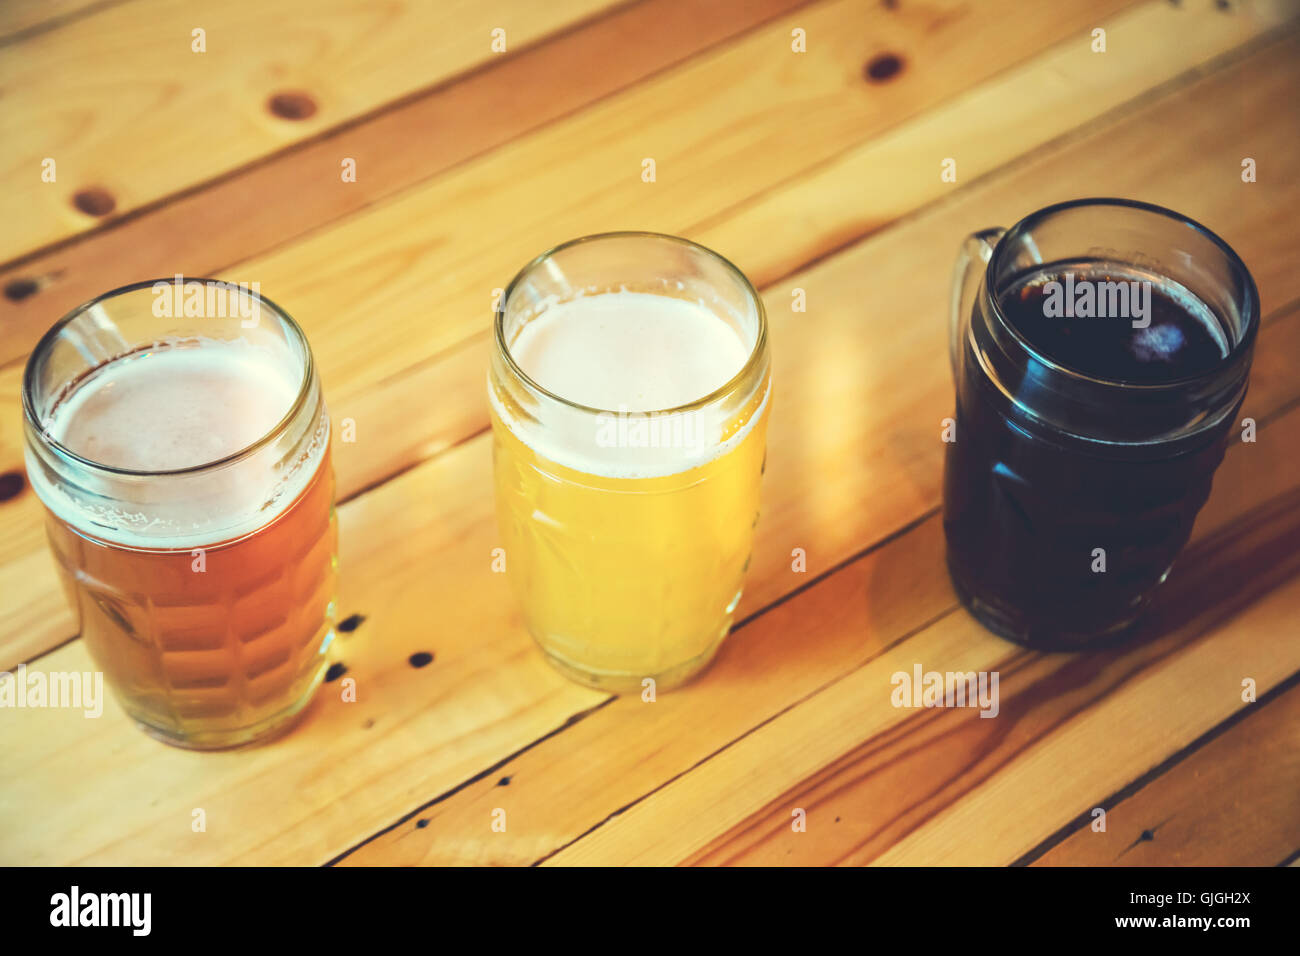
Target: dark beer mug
1100, 356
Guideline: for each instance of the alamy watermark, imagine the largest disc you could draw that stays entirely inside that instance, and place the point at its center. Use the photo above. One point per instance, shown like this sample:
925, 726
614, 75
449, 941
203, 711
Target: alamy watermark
951, 689
675, 429
81, 690
208, 299
132, 911
1101, 299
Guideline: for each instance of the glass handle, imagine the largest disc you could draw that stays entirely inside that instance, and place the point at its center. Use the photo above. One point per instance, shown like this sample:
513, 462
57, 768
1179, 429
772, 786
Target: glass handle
978, 247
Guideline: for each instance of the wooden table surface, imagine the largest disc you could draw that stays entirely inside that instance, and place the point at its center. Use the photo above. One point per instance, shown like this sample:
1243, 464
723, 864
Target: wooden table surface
817, 171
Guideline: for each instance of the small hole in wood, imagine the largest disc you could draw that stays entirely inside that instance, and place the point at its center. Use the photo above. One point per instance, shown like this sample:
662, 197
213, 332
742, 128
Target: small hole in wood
20, 289
11, 482
292, 105
883, 67
94, 201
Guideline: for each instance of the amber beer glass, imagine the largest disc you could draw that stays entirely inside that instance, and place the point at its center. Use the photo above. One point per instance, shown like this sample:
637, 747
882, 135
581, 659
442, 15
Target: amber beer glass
177, 436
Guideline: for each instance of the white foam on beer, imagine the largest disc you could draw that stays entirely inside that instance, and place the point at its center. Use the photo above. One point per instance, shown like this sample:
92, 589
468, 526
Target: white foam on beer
627, 352
171, 407
635, 350
167, 409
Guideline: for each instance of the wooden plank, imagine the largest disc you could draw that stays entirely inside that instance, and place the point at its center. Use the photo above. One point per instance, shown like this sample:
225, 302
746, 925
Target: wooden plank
551, 790
566, 785
349, 768
902, 786
1016, 111
212, 108
1232, 802
1245, 542
592, 773
395, 423
602, 182
878, 181
1195, 691
429, 266
20, 18
288, 195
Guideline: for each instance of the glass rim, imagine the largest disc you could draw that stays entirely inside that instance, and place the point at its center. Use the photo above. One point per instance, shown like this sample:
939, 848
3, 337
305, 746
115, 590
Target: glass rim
47, 341
1250, 314
732, 384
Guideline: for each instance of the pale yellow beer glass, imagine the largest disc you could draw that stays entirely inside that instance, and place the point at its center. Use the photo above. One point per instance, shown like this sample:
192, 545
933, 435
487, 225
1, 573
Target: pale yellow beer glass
627, 534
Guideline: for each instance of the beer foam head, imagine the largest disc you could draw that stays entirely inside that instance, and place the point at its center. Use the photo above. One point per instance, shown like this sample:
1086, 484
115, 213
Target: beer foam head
175, 406
168, 409
635, 358
629, 350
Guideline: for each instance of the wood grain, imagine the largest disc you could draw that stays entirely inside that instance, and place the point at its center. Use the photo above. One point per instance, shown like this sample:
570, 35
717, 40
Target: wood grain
288, 195
348, 768
616, 771
575, 783
718, 127
1235, 801
20, 18
1063, 93
397, 427
796, 708
211, 108
884, 785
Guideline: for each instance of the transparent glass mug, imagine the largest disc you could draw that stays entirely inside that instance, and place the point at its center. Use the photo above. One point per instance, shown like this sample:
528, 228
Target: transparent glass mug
205, 593
628, 561
1068, 493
